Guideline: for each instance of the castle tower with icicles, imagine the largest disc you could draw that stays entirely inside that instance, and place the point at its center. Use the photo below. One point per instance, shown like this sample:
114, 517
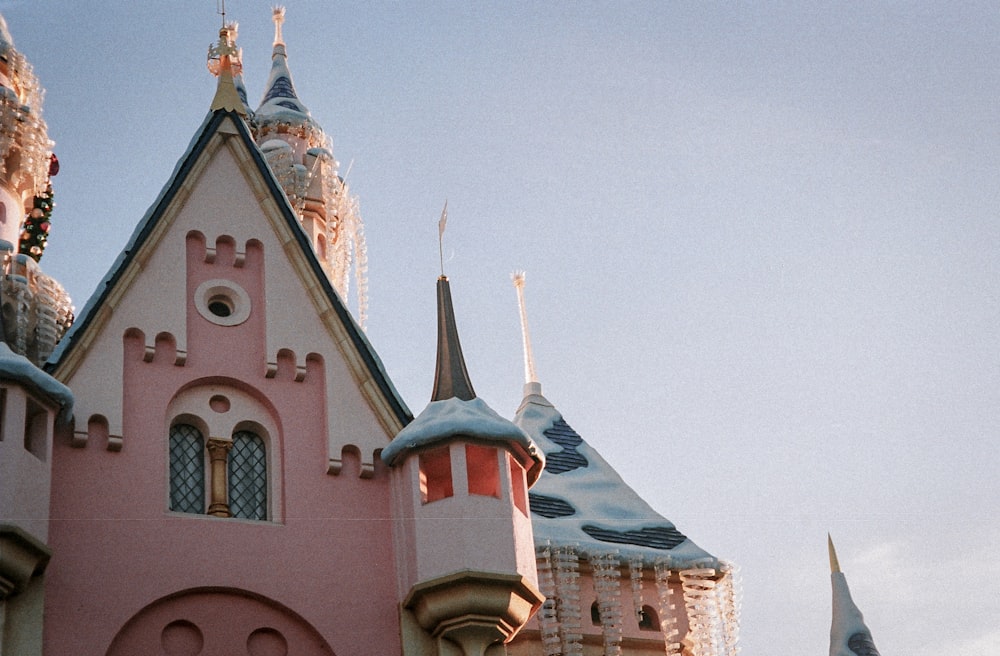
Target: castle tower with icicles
301, 156
618, 577
36, 310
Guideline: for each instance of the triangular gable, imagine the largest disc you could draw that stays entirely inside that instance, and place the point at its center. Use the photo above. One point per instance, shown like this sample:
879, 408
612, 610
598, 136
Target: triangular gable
357, 351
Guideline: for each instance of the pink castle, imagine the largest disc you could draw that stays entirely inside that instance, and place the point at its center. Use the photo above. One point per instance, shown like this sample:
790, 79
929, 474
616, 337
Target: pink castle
210, 458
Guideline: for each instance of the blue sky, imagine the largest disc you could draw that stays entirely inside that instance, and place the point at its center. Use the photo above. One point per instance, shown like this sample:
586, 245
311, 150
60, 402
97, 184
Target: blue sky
761, 245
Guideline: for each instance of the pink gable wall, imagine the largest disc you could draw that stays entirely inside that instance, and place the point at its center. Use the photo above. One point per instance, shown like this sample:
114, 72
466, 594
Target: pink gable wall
324, 555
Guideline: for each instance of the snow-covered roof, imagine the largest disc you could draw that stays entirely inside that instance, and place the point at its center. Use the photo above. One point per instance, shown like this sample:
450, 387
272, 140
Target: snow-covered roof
849, 635
6, 41
580, 500
455, 417
17, 368
280, 103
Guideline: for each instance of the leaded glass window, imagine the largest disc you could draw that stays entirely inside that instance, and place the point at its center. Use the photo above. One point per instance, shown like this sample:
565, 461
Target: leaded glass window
248, 476
187, 469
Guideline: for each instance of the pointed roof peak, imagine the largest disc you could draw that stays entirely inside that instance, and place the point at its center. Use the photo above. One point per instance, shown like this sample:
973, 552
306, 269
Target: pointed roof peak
451, 378
280, 103
834, 563
225, 61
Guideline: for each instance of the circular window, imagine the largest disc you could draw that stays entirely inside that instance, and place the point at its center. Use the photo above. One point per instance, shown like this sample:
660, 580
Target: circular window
222, 302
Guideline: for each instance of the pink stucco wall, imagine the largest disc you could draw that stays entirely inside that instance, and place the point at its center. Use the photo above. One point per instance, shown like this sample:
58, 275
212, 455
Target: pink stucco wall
325, 556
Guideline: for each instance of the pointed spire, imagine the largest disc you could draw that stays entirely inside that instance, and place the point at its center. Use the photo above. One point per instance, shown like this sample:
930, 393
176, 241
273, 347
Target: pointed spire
280, 97
451, 378
849, 635
531, 384
226, 62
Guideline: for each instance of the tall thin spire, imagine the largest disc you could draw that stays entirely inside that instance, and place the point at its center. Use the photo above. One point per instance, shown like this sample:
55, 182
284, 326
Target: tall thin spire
834, 563
451, 378
529, 359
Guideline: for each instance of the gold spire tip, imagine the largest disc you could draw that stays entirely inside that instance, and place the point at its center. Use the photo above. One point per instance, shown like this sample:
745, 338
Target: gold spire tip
834, 563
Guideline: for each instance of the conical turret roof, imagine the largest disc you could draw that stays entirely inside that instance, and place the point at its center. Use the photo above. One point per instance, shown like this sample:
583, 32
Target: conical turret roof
455, 410
849, 635
280, 103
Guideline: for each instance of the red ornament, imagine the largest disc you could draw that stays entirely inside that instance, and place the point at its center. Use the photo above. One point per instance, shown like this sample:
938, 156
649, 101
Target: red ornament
53, 165
45, 226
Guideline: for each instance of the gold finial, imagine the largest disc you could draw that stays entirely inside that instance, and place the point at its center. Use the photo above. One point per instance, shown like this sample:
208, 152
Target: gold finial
225, 61
278, 16
834, 563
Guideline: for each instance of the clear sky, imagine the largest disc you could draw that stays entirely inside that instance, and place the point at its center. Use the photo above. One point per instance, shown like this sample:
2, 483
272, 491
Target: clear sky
762, 249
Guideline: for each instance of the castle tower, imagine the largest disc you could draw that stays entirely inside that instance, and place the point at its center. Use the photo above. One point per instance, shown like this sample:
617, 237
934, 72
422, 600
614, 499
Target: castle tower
35, 308
460, 472
614, 572
30, 403
301, 156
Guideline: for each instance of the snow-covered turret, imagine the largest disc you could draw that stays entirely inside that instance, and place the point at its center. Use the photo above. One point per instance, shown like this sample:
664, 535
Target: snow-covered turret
301, 156
36, 309
460, 474
849, 635
612, 568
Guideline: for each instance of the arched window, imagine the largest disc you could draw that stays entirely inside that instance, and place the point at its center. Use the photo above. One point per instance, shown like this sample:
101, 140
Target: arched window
247, 471
187, 469
648, 620
595, 614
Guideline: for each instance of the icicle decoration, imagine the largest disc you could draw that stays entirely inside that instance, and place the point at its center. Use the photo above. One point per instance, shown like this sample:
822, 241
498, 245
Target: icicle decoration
566, 568
635, 584
548, 619
22, 126
667, 608
346, 251
727, 594
607, 584
702, 610
42, 308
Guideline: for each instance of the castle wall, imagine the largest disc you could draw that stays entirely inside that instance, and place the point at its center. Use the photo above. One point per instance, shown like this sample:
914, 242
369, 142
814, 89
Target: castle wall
158, 355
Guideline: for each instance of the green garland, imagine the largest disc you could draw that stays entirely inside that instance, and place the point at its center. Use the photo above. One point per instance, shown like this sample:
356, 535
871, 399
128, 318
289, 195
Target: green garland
36, 225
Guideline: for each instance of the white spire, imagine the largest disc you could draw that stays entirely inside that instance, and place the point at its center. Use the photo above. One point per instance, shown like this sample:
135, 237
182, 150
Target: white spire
530, 379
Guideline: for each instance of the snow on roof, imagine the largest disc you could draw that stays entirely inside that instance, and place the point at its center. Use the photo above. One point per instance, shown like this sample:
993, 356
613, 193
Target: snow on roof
280, 103
17, 368
6, 41
580, 500
453, 417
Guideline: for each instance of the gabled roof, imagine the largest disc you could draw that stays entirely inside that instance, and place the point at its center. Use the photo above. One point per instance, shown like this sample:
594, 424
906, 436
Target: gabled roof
581, 501
230, 123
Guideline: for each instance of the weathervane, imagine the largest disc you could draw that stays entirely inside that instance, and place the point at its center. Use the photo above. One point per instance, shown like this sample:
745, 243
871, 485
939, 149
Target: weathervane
442, 222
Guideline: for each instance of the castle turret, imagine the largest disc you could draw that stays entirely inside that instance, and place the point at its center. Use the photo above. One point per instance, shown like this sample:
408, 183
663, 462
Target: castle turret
301, 156
36, 310
461, 472
31, 401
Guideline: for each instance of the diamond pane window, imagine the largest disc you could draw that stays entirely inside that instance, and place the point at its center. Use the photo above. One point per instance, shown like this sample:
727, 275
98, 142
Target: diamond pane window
248, 476
187, 469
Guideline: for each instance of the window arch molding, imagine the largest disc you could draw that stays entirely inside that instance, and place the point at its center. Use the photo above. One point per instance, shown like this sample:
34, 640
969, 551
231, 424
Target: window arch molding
219, 409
